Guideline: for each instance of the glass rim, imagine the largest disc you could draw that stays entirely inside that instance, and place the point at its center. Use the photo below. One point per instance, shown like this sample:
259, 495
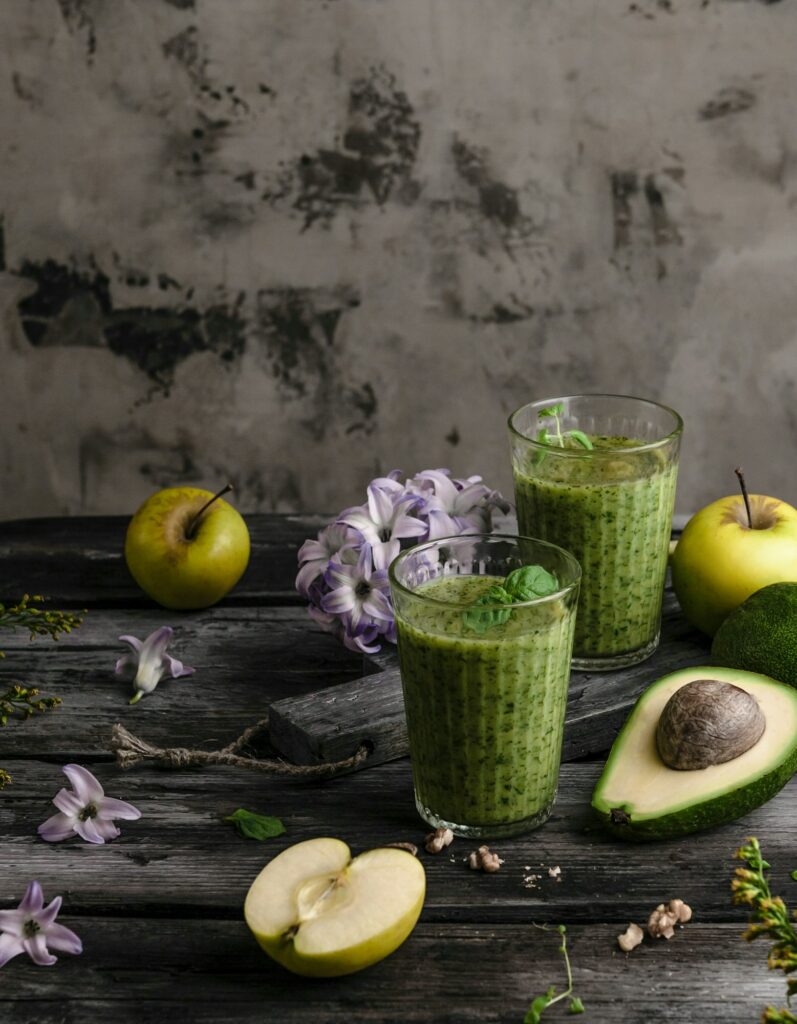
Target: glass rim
582, 452
562, 592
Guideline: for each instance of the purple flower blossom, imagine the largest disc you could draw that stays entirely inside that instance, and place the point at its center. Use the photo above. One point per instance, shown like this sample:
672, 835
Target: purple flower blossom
343, 574
149, 660
85, 811
335, 541
384, 521
32, 929
360, 596
457, 506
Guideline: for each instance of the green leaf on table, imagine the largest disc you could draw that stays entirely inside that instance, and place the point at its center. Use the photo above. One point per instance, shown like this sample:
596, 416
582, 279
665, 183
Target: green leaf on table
576, 1006
255, 826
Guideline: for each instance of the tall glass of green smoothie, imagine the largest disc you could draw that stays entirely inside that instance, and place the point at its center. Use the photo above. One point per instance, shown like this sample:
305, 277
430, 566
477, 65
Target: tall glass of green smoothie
485, 634
595, 474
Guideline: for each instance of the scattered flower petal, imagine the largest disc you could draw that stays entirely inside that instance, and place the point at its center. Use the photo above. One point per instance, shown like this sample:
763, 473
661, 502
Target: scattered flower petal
86, 811
149, 660
32, 929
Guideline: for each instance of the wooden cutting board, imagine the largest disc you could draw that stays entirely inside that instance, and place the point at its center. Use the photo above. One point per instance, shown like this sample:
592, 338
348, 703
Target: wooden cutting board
331, 724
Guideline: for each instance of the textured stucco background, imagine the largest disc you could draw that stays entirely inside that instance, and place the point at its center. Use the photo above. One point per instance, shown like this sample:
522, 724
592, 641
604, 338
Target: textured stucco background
291, 243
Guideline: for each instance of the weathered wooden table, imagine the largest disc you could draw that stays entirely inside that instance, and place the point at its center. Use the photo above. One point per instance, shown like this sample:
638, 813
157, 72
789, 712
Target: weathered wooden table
159, 909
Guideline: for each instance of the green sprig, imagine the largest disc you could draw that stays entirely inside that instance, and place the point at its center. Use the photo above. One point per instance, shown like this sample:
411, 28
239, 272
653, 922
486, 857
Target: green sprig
769, 917
38, 621
24, 703
541, 1003
26, 614
559, 437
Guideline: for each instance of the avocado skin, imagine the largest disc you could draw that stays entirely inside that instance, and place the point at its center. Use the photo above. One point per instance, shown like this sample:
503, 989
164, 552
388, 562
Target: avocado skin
719, 811
761, 634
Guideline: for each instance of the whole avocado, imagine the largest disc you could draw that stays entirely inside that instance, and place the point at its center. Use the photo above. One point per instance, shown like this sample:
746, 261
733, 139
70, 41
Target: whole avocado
761, 634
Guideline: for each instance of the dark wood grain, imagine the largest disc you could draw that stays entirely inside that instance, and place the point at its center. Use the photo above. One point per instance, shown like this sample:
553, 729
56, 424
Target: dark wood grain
330, 725
159, 910
212, 972
91, 572
244, 660
328, 700
179, 859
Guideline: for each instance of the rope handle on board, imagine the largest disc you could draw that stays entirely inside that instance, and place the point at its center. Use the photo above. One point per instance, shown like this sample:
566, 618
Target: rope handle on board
132, 751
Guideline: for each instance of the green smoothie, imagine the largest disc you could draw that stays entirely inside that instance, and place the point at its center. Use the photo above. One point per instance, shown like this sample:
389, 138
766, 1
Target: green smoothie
485, 711
613, 511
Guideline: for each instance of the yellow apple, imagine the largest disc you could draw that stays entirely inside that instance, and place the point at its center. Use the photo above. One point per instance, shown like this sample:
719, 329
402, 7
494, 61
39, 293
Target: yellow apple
320, 913
186, 547
721, 559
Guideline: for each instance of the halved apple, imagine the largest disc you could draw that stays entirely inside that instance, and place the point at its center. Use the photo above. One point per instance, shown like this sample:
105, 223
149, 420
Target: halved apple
320, 913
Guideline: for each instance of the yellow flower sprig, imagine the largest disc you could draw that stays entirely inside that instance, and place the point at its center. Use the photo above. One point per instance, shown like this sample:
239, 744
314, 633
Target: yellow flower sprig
769, 917
27, 614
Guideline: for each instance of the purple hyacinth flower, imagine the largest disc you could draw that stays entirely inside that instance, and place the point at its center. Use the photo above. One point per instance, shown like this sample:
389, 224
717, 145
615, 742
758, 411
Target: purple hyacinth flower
336, 541
384, 521
358, 593
390, 482
150, 662
85, 810
458, 506
364, 640
32, 929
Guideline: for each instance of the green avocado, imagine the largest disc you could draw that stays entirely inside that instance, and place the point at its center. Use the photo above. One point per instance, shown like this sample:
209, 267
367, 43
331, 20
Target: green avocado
639, 797
761, 634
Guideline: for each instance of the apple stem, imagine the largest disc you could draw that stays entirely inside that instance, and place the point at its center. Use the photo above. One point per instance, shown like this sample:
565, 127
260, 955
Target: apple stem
195, 521
745, 495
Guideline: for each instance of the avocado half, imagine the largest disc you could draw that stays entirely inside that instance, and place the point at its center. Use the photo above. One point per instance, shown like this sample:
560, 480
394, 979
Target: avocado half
640, 798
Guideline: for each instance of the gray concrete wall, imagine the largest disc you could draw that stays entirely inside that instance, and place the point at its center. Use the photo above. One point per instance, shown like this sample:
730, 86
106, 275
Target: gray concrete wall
292, 243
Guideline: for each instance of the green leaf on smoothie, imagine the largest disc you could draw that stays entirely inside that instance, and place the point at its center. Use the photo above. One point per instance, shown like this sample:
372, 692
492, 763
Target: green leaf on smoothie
581, 437
529, 582
480, 619
255, 826
523, 584
560, 438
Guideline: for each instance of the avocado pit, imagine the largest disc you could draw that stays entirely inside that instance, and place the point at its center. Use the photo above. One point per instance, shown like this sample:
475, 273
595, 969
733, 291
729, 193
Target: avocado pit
708, 722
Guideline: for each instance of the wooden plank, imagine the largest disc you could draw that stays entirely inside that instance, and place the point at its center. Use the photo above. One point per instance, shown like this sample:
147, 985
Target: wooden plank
325, 705
329, 726
307, 727
244, 659
79, 561
211, 972
181, 860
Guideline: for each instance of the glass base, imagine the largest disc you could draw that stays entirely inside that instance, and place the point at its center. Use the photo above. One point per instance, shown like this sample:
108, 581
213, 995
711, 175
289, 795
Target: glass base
610, 662
501, 830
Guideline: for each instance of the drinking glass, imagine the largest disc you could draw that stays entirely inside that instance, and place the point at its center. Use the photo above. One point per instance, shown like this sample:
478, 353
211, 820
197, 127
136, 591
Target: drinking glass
610, 505
485, 686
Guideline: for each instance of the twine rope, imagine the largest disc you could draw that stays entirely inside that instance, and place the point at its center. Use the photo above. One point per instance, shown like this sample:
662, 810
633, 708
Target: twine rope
132, 751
